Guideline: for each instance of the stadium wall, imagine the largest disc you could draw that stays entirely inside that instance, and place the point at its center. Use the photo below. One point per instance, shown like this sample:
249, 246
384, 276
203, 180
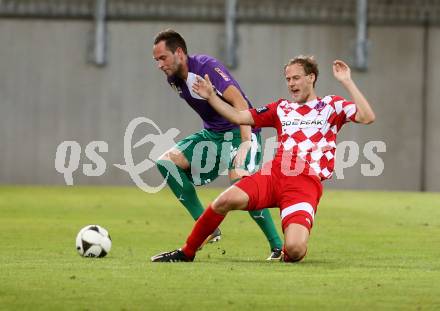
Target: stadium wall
50, 94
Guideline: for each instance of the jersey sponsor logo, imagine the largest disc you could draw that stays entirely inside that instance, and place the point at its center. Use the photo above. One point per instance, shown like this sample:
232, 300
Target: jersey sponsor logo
305, 122
222, 74
261, 109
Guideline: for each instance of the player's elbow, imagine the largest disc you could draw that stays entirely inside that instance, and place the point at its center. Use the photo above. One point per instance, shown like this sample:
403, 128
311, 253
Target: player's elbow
367, 118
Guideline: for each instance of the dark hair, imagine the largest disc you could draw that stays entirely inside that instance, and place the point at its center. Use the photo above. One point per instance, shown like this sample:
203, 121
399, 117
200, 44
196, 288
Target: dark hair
308, 63
173, 40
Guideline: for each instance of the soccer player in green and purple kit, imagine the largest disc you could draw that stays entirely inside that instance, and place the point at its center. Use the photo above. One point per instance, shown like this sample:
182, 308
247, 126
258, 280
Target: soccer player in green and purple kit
236, 148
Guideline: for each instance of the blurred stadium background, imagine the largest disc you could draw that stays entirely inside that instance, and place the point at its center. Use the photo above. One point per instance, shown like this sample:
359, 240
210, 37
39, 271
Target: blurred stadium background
82, 70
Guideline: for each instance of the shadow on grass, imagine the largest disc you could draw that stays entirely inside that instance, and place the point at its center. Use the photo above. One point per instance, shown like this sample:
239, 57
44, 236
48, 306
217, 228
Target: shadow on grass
311, 262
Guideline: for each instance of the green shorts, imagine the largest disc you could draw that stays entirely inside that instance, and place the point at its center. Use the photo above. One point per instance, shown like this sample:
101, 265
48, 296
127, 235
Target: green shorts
211, 154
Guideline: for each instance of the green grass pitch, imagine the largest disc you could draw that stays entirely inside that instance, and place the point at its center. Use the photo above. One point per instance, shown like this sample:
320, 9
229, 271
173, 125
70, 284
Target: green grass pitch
368, 251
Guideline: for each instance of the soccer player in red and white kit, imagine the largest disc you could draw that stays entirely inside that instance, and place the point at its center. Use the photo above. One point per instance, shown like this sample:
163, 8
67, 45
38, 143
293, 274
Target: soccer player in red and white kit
307, 129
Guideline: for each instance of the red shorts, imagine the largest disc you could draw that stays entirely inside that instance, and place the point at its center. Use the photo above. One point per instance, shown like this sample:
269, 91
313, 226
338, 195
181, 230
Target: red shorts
296, 196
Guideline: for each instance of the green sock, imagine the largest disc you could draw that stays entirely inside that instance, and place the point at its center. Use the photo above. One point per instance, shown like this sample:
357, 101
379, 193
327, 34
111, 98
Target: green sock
181, 186
265, 222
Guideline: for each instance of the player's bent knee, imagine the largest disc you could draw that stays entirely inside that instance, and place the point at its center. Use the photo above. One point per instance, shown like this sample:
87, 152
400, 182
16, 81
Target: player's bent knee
295, 251
223, 204
231, 199
176, 156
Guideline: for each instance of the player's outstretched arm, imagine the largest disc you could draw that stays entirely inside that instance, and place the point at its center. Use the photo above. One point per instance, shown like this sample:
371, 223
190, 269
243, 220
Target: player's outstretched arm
342, 73
204, 88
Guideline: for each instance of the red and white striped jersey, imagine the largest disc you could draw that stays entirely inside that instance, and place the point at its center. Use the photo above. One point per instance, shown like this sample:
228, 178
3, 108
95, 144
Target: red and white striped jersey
306, 132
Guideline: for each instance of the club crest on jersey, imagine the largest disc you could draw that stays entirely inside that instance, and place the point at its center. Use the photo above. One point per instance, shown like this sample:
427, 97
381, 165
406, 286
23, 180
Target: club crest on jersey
320, 105
306, 122
222, 74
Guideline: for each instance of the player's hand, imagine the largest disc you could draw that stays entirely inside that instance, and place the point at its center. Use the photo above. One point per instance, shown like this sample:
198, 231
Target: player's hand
203, 87
341, 71
241, 155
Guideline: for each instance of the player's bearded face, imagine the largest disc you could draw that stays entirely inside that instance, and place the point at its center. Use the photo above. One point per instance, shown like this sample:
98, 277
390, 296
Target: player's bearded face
167, 61
174, 65
299, 84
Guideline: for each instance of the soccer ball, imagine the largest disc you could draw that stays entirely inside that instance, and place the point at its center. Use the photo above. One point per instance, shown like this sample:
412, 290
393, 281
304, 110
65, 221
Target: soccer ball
93, 241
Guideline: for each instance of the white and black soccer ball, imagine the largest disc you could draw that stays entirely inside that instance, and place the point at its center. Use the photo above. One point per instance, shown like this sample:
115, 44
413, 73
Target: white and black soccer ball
93, 241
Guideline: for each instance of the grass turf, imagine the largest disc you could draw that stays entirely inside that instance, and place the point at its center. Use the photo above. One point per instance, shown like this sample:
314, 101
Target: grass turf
368, 250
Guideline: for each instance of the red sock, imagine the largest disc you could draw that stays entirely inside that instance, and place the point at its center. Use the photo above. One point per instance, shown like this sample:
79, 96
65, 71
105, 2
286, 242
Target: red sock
205, 225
